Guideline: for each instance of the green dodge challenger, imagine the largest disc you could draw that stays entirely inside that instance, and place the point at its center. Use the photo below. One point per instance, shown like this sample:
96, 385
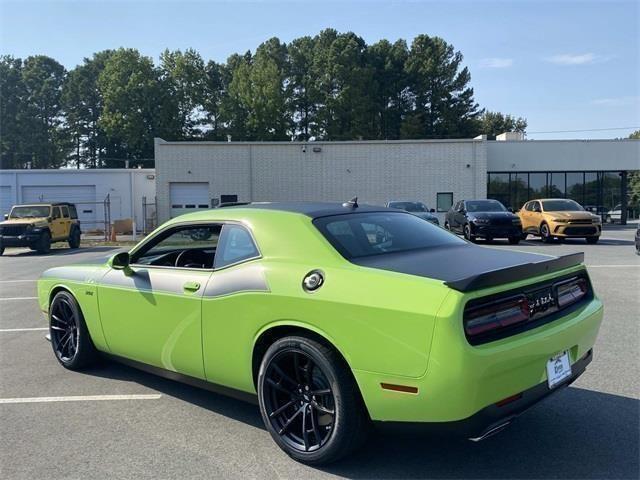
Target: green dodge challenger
333, 316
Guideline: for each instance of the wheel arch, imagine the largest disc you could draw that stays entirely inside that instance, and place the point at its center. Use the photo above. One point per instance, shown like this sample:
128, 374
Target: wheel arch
274, 331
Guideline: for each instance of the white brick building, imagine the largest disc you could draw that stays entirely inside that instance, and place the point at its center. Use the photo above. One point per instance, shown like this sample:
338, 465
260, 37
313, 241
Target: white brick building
87, 188
198, 175
192, 175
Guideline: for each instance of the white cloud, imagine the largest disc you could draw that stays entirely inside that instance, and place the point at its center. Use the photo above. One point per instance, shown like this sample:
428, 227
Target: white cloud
615, 102
577, 59
496, 62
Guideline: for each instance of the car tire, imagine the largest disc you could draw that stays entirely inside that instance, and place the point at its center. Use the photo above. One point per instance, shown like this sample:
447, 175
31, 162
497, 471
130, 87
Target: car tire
313, 429
608, 219
524, 236
592, 240
1, 250
74, 238
70, 339
467, 233
514, 240
44, 243
545, 234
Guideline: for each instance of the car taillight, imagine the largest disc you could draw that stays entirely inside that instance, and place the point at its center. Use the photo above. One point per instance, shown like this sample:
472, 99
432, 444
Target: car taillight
497, 314
571, 291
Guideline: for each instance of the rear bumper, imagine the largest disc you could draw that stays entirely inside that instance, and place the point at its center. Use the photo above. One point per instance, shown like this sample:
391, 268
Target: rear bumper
495, 417
24, 240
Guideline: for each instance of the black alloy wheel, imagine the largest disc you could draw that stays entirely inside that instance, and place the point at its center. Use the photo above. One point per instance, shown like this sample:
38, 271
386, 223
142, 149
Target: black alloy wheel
545, 234
514, 240
299, 401
309, 401
467, 233
70, 338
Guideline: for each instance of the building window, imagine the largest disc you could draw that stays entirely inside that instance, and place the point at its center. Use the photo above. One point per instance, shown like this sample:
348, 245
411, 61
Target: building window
599, 192
557, 185
444, 201
538, 185
575, 186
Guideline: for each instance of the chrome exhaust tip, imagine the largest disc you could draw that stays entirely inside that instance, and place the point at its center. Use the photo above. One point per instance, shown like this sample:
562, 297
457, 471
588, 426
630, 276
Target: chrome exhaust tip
492, 431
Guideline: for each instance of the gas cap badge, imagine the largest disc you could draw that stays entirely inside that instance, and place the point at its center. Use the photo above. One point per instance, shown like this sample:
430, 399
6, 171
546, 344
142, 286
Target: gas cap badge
313, 280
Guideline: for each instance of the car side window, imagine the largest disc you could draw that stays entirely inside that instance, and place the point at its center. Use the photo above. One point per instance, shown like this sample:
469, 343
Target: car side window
73, 212
55, 213
236, 245
65, 212
535, 207
192, 246
527, 206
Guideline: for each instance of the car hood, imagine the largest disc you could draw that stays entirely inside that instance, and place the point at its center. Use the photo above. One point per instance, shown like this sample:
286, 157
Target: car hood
571, 215
468, 267
24, 221
491, 215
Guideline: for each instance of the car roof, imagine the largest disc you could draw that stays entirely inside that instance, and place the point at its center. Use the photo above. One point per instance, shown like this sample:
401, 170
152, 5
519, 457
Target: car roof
42, 204
313, 209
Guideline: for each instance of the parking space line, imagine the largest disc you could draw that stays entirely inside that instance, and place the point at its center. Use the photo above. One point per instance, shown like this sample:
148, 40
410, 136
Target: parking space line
17, 281
34, 329
614, 266
18, 298
80, 398
30, 329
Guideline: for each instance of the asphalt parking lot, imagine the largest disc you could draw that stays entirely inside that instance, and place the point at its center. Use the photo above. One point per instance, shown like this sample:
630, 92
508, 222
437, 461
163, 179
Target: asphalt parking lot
136, 425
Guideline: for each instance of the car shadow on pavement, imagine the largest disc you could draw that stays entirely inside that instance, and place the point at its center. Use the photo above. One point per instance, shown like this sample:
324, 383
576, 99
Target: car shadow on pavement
577, 433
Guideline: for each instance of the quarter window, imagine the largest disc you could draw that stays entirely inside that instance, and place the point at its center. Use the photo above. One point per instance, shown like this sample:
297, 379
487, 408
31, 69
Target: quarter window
236, 245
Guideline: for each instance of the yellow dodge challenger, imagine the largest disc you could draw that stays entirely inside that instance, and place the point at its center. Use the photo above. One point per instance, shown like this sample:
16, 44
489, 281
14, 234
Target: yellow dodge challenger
331, 316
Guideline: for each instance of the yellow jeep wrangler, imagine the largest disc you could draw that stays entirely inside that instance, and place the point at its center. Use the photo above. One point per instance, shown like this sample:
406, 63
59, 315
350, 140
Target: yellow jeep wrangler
37, 226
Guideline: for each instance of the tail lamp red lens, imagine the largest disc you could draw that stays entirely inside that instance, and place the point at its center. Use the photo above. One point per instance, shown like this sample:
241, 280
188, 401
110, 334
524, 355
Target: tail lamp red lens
571, 291
498, 314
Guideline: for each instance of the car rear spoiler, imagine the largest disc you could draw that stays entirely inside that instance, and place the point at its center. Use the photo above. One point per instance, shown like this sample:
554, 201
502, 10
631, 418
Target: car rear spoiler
516, 273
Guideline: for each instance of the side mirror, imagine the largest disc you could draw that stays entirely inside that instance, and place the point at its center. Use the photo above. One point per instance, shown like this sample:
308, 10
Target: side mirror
510, 209
120, 261
432, 210
6, 216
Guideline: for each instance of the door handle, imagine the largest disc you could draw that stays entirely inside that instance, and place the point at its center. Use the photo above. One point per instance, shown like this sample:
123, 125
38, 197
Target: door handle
191, 286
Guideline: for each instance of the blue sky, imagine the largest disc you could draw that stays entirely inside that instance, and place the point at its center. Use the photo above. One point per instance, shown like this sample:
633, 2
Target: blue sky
562, 65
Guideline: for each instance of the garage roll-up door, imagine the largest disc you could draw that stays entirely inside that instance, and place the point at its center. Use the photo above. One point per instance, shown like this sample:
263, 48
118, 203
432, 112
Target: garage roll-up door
5, 199
188, 196
65, 193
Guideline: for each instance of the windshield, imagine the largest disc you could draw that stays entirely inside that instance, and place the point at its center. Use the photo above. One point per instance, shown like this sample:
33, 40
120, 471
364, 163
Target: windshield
485, 206
364, 234
561, 206
30, 211
410, 206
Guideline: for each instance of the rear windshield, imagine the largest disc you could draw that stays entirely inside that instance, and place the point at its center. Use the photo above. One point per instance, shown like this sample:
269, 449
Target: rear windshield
561, 206
485, 206
363, 234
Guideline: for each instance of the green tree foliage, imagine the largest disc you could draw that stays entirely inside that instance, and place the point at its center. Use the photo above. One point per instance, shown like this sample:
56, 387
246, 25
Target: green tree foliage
184, 79
136, 107
39, 113
12, 94
332, 86
495, 123
442, 102
83, 105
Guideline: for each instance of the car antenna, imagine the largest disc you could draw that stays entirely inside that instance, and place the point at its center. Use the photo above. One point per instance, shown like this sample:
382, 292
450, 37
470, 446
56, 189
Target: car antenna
353, 203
